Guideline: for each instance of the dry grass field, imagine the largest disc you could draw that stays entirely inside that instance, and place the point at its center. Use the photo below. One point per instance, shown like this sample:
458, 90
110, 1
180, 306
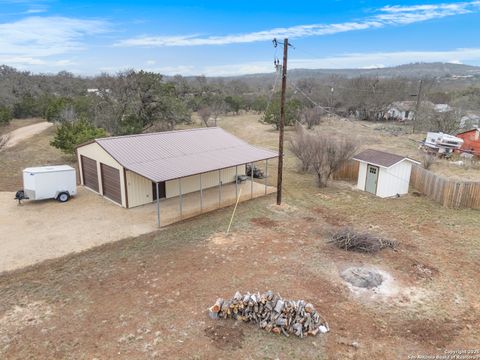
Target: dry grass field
146, 297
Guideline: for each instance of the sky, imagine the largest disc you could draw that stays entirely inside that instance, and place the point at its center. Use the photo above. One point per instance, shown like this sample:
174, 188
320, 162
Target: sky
225, 38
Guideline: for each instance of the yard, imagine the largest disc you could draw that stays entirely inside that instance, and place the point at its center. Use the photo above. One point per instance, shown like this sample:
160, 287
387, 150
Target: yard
146, 296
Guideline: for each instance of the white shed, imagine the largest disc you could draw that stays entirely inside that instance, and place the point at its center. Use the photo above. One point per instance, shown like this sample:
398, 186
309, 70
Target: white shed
383, 174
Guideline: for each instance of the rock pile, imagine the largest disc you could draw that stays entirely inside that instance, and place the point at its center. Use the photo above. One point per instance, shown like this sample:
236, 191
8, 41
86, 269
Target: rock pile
271, 313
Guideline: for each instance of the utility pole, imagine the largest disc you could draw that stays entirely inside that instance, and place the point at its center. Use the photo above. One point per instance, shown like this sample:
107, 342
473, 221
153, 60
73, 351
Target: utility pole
417, 106
282, 123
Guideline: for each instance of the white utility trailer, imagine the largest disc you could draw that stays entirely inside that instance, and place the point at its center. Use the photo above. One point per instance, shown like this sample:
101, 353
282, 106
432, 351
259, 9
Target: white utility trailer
48, 182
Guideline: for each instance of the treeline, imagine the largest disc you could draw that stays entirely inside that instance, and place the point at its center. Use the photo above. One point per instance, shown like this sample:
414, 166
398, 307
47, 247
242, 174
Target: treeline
138, 101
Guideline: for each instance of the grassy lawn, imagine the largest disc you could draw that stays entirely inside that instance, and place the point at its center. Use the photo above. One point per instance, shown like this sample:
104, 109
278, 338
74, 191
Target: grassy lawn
35, 151
147, 297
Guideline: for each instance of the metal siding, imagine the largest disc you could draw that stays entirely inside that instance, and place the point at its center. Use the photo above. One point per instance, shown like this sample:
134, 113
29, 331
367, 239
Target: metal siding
139, 190
111, 183
175, 154
96, 152
89, 173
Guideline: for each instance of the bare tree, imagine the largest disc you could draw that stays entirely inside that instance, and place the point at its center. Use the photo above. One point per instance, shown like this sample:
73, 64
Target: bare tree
205, 113
428, 160
300, 147
311, 117
323, 153
429, 119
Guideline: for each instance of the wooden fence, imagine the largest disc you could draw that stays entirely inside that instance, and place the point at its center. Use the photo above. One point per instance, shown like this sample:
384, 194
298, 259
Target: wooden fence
449, 193
348, 171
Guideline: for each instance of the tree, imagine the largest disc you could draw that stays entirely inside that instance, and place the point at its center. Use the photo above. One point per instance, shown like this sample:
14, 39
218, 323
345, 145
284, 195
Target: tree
5, 115
429, 119
234, 103
204, 113
324, 154
71, 134
300, 147
311, 116
292, 113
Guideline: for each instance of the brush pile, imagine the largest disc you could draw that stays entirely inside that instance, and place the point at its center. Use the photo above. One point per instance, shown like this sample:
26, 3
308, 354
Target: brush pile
348, 239
271, 313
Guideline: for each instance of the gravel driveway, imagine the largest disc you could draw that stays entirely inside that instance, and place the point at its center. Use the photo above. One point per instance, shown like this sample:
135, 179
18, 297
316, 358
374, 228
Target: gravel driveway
41, 230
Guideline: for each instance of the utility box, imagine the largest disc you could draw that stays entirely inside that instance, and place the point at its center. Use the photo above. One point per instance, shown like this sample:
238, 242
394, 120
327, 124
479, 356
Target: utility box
50, 182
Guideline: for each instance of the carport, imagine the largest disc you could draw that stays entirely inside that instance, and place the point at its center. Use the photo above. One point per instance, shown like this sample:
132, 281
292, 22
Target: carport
174, 166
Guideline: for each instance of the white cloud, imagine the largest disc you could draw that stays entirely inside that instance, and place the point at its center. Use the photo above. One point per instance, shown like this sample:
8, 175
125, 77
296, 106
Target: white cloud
39, 37
387, 16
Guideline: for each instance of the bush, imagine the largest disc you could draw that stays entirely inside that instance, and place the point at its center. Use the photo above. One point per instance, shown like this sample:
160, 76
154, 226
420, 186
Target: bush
5, 115
292, 113
428, 160
71, 134
322, 153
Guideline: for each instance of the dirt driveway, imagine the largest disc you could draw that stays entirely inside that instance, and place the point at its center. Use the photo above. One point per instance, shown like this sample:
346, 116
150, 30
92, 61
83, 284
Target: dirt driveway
40, 230
25, 132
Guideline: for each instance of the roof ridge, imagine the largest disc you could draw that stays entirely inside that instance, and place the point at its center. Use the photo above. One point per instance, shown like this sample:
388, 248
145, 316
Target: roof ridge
158, 132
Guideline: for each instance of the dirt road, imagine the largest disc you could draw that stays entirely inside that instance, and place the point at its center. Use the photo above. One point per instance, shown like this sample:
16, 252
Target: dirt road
23, 133
40, 230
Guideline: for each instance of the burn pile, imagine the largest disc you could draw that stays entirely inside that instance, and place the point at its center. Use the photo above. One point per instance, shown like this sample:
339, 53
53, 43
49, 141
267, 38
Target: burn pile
271, 313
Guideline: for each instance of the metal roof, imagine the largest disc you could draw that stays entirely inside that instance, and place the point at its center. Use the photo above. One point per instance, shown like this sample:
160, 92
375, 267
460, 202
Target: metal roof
380, 158
174, 154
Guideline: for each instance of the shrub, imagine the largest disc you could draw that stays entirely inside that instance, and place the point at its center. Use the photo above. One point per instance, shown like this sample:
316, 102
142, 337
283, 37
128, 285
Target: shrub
5, 115
71, 134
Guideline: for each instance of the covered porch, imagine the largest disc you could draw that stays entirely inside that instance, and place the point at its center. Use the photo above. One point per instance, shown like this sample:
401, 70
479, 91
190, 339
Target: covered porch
171, 210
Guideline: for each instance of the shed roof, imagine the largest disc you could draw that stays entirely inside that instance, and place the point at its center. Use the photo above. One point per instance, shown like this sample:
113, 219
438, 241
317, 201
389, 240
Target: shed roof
380, 158
175, 154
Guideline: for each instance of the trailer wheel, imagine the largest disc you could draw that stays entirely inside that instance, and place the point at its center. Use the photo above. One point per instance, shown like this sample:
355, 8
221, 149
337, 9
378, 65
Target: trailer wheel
63, 197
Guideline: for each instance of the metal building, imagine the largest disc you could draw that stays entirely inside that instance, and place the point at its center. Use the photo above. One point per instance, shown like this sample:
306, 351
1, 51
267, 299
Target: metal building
139, 169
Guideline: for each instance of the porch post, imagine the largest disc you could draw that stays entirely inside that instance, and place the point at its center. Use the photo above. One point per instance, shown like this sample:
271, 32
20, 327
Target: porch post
158, 206
180, 195
219, 188
201, 194
236, 182
251, 180
266, 175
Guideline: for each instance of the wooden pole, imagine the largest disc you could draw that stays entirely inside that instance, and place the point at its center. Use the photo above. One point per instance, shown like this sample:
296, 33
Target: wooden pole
158, 206
282, 123
234, 209
417, 106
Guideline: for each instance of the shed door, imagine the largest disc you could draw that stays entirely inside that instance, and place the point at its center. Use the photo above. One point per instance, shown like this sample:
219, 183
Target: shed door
372, 179
111, 183
89, 173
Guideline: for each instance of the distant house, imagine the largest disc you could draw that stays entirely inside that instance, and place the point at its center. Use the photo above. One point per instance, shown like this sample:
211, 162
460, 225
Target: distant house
470, 120
383, 174
471, 141
405, 110
401, 110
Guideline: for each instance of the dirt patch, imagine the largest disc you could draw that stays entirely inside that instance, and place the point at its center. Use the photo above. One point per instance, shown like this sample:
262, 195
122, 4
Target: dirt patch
264, 222
423, 271
225, 336
330, 217
436, 333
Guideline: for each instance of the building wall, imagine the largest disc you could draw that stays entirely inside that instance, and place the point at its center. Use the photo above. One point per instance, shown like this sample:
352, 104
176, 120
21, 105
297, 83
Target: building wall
394, 180
95, 152
471, 140
362, 176
192, 183
139, 189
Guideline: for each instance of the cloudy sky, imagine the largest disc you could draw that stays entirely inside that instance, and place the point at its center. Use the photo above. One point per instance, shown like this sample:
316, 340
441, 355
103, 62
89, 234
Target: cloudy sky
233, 37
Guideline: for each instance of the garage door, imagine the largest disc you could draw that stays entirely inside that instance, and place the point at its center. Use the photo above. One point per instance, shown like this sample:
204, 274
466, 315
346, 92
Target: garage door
89, 172
111, 183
